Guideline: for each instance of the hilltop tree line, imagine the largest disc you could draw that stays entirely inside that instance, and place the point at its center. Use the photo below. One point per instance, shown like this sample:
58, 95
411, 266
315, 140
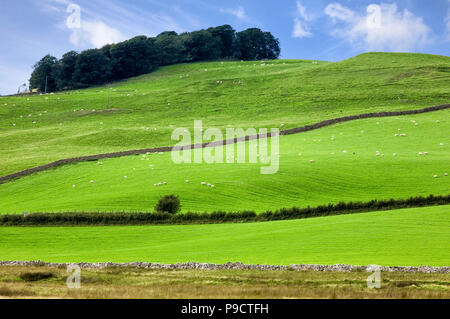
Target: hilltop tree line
142, 55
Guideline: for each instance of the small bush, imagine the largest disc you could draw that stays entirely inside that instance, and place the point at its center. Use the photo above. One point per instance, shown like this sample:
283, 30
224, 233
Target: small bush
36, 276
168, 204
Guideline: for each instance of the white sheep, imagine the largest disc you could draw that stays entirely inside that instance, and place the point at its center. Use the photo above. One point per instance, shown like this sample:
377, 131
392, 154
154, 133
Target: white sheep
435, 176
311, 161
187, 181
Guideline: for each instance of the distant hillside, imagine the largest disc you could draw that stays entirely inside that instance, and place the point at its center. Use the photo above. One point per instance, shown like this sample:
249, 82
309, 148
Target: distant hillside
141, 112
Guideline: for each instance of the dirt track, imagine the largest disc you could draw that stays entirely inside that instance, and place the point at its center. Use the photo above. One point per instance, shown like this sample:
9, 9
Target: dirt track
296, 130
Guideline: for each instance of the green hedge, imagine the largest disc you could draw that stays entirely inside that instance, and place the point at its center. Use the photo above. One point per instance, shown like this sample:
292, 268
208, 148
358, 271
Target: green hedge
123, 218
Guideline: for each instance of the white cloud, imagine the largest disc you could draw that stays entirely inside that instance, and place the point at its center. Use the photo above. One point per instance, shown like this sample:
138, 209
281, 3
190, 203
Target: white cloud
95, 33
382, 28
338, 12
104, 21
301, 22
302, 11
300, 30
239, 12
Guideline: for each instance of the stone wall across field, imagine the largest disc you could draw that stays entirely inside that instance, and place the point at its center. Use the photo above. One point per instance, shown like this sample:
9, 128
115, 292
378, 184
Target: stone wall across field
296, 130
232, 266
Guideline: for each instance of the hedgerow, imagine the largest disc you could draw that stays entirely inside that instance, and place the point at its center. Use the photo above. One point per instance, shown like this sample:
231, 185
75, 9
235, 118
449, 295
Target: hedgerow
158, 218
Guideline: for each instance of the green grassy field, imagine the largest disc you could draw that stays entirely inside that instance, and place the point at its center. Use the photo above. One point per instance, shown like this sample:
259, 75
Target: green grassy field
334, 176
143, 111
409, 237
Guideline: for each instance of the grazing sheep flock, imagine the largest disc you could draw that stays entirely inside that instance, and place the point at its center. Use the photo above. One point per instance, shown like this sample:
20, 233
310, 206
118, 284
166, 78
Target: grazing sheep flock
378, 153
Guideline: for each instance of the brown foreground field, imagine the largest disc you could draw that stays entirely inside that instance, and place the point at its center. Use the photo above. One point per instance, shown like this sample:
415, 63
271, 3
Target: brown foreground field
135, 283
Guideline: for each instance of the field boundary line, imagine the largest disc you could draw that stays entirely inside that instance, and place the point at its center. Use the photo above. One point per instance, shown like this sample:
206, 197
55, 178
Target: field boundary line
166, 149
230, 266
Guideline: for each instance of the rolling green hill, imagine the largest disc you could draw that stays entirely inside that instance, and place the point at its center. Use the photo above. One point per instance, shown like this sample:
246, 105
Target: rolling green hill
142, 112
408, 237
346, 168
361, 160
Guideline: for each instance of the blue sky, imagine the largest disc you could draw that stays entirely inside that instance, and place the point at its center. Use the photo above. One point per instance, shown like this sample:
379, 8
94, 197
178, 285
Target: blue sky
307, 29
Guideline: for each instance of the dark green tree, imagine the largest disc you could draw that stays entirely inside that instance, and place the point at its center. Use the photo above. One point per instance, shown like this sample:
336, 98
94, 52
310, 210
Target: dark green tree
226, 34
171, 48
141, 55
93, 67
254, 44
134, 57
43, 74
64, 70
168, 204
202, 46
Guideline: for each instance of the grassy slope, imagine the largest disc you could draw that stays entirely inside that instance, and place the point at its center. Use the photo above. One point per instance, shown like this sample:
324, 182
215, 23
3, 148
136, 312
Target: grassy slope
332, 178
412, 237
294, 92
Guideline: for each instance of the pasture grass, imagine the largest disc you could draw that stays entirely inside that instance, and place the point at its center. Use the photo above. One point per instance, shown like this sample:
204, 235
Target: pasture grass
142, 112
356, 175
406, 237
